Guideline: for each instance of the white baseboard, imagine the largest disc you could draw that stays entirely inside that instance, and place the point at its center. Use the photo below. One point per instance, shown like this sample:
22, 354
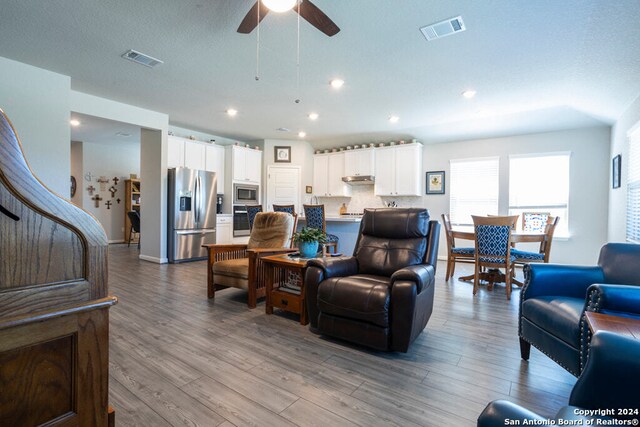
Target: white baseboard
153, 259
111, 242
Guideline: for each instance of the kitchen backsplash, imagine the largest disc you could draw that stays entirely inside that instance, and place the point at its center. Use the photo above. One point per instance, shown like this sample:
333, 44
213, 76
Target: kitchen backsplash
362, 197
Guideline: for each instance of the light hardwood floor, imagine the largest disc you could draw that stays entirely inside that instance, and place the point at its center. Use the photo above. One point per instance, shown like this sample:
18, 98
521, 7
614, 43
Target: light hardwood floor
179, 359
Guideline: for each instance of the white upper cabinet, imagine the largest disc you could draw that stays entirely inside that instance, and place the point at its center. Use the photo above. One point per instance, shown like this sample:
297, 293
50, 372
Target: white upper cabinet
399, 170
194, 154
175, 152
359, 162
247, 164
328, 170
214, 162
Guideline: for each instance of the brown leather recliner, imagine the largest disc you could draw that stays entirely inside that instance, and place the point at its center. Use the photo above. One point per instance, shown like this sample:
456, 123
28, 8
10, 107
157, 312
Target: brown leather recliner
382, 296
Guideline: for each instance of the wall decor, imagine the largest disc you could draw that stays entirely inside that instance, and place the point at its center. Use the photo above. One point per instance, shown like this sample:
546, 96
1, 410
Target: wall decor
616, 168
108, 203
113, 190
91, 189
282, 154
103, 181
73, 186
115, 180
309, 189
435, 182
97, 199
118, 200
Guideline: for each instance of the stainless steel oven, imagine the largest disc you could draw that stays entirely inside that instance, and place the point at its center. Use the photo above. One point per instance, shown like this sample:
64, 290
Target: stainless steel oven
244, 194
240, 221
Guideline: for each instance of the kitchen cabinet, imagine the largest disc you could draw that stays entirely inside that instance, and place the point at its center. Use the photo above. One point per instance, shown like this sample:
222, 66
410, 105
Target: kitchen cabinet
194, 155
328, 170
399, 170
246, 164
359, 162
214, 162
175, 152
224, 230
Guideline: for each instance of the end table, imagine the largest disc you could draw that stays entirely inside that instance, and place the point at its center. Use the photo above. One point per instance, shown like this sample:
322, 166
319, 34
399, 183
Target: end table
285, 284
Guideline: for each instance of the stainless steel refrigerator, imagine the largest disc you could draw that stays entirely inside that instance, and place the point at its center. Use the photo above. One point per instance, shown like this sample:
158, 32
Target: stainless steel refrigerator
192, 213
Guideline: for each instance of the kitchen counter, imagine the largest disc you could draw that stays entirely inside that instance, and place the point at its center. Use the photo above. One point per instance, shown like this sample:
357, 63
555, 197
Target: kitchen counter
345, 227
337, 218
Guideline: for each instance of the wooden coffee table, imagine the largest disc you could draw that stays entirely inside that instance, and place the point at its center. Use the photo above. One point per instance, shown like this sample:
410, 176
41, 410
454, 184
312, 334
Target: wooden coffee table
620, 325
285, 284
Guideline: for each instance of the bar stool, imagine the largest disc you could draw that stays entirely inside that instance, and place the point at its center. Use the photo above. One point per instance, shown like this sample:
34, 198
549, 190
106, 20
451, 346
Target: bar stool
316, 219
291, 209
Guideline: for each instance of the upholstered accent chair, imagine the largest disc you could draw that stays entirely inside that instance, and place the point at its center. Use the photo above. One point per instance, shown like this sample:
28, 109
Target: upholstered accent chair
252, 211
554, 298
610, 380
240, 266
315, 216
455, 254
382, 296
493, 247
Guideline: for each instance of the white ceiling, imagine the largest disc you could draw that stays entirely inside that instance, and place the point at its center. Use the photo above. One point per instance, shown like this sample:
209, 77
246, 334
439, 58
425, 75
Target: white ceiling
536, 65
102, 131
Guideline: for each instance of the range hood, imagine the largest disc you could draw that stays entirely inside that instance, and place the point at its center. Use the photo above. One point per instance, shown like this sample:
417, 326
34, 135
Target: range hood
359, 179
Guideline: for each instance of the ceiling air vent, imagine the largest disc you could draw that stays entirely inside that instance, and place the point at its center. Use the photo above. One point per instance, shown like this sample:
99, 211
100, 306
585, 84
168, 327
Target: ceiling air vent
141, 58
444, 28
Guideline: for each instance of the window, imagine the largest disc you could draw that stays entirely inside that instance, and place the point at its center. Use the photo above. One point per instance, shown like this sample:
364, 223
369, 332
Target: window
474, 188
540, 183
633, 189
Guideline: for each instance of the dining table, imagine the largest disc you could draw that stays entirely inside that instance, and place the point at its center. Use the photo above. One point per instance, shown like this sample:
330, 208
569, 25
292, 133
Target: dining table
467, 232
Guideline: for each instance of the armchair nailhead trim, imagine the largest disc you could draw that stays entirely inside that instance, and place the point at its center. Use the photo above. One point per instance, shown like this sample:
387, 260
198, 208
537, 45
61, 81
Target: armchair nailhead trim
594, 300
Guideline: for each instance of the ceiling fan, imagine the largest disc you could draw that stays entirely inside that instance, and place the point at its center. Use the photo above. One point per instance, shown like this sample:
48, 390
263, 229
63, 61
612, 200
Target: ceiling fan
304, 8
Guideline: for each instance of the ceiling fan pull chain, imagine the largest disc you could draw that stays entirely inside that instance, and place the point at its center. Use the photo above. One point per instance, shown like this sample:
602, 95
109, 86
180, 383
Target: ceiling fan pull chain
298, 61
258, 48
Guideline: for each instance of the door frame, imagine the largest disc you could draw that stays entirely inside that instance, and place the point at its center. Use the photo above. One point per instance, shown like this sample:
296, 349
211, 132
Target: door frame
266, 187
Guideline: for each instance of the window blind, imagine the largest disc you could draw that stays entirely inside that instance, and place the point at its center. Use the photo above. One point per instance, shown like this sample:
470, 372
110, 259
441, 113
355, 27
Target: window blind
633, 189
540, 183
474, 188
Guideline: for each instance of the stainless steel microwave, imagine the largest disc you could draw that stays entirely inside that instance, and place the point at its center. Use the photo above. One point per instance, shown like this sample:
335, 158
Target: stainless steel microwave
245, 194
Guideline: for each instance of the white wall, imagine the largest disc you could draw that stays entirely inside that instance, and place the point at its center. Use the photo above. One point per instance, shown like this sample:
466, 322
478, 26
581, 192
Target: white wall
115, 159
589, 182
37, 103
618, 196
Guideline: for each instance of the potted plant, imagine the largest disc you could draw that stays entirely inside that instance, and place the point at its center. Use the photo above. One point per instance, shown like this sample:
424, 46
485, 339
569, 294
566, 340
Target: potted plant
308, 240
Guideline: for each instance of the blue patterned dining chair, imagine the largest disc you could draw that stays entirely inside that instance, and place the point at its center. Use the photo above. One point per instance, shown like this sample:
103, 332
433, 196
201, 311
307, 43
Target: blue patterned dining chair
455, 254
316, 219
524, 257
493, 247
291, 209
252, 211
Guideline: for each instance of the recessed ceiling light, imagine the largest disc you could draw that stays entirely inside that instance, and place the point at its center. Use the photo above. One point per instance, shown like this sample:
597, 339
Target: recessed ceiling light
74, 122
336, 83
394, 119
470, 93
313, 116
302, 134
232, 112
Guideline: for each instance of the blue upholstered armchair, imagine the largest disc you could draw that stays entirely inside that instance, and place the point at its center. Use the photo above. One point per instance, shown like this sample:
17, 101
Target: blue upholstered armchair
555, 297
609, 382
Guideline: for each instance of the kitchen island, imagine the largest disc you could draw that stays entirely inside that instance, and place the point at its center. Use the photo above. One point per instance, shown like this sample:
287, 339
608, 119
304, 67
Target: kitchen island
345, 227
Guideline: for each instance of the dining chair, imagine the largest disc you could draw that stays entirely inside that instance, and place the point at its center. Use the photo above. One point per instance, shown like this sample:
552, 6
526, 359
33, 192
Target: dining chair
534, 221
252, 211
291, 209
493, 247
523, 257
315, 215
454, 254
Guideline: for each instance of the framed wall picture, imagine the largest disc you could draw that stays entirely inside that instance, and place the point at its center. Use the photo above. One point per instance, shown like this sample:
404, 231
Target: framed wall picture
282, 154
435, 182
309, 189
615, 170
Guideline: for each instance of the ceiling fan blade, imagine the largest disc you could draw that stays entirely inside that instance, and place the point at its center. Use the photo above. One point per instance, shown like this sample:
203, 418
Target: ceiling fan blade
316, 17
250, 20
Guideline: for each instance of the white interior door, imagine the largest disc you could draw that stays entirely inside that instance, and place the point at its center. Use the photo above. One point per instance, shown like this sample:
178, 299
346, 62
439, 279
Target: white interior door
283, 187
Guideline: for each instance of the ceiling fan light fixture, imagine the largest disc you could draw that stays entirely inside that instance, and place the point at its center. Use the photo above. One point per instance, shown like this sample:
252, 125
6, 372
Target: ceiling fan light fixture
336, 83
279, 6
